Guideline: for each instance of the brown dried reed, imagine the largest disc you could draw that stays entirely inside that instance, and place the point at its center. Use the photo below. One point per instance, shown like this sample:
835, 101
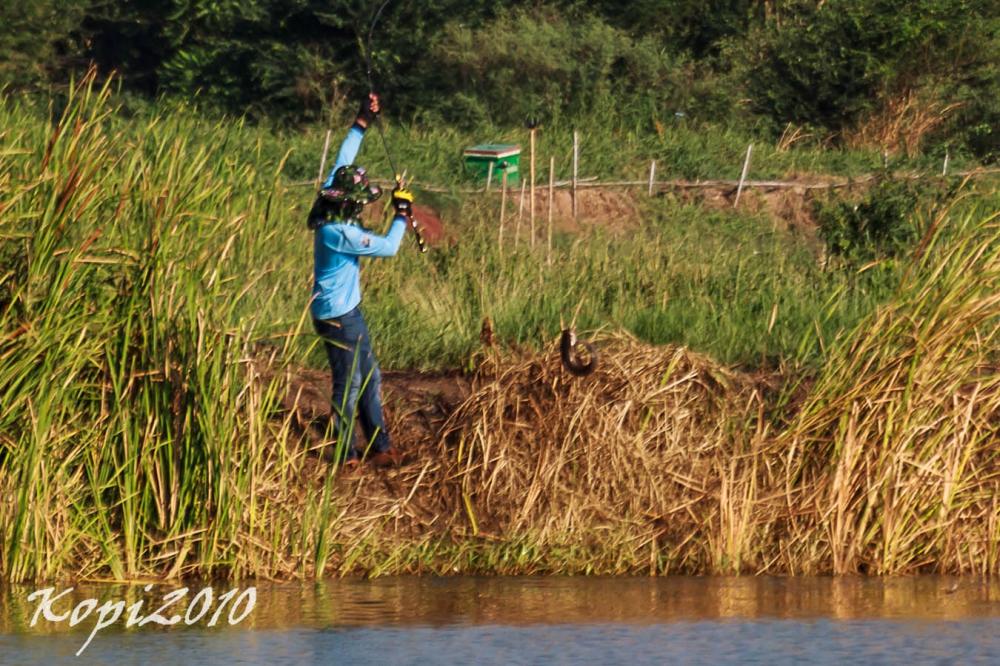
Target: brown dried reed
900, 124
631, 456
626, 470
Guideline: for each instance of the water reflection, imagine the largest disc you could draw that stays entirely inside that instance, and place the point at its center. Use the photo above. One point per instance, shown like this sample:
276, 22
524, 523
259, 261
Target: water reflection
573, 600
546, 620
519, 601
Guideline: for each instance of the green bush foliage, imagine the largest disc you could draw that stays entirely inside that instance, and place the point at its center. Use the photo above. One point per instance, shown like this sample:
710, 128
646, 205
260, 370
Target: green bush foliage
556, 64
825, 63
881, 225
36, 36
698, 27
738, 63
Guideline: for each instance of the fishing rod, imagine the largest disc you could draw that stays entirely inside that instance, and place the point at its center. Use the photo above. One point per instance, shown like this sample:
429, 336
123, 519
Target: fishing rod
378, 120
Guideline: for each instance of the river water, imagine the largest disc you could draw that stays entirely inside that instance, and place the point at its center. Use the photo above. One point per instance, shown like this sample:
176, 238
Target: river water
682, 620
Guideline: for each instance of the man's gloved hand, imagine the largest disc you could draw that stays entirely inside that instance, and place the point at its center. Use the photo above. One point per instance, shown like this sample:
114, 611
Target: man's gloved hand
402, 201
370, 108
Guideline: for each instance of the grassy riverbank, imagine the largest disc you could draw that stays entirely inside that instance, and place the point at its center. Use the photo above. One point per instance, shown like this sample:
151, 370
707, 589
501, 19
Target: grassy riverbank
153, 320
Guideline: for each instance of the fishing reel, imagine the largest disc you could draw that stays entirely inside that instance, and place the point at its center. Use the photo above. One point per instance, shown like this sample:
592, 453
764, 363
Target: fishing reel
402, 200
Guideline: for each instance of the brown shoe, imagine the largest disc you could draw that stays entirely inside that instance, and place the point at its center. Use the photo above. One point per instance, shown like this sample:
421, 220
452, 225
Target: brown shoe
350, 466
389, 458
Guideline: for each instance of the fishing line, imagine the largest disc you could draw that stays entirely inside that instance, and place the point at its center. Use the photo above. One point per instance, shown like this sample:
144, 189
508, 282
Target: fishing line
369, 67
371, 87
578, 356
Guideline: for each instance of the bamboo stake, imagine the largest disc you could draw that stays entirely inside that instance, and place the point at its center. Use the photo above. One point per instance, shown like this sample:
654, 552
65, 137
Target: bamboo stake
944, 169
489, 176
520, 216
552, 187
531, 202
576, 167
503, 206
743, 176
652, 176
322, 160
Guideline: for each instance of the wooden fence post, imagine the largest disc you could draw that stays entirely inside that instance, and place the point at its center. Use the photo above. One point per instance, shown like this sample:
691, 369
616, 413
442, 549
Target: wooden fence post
531, 185
552, 187
322, 161
576, 167
743, 176
503, 206
520, 216
652, 176
489, 176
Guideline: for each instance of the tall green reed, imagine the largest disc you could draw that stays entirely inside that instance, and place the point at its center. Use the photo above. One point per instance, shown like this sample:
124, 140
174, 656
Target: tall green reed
134, 436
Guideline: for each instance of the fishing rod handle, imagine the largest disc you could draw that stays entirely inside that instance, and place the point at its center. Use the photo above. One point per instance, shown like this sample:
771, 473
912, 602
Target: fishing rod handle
419, 236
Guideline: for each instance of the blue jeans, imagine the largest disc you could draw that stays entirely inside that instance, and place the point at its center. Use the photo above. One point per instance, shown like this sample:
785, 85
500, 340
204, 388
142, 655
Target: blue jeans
357, 382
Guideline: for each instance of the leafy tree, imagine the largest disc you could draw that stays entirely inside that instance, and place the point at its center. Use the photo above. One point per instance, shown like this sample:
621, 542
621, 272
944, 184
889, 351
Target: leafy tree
824, 63
38, 38
129, 37
290, 58
973, 82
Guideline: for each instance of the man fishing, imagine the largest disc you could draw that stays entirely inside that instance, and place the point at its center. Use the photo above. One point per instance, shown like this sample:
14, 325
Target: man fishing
339, 241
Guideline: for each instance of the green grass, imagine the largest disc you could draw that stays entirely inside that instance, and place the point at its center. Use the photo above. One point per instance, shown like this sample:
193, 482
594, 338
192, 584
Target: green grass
724, 283
707, 280
610, 149
607, 151
126, 256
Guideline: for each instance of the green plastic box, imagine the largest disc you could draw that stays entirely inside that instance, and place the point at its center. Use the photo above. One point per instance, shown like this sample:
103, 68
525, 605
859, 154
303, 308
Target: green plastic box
505, 158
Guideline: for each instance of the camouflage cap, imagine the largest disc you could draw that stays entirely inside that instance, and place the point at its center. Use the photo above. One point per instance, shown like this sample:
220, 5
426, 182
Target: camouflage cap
350, 183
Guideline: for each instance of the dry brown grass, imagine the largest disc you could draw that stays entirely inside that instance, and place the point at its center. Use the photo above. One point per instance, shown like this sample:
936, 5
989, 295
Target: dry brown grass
900, 125
636, 453
636, 467
895, 449
791, 135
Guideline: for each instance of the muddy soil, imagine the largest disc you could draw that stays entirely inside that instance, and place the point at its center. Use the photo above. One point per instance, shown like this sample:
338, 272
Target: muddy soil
416, 405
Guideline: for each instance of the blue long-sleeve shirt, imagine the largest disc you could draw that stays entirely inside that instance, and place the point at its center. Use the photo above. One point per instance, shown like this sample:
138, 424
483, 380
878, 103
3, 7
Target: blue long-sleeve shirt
338, 248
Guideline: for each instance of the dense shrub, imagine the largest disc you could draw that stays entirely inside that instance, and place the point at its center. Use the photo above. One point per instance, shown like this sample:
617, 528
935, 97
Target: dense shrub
976, 125
881, 225
697, 27
36, 36
842, 67
825, 63
542, 62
